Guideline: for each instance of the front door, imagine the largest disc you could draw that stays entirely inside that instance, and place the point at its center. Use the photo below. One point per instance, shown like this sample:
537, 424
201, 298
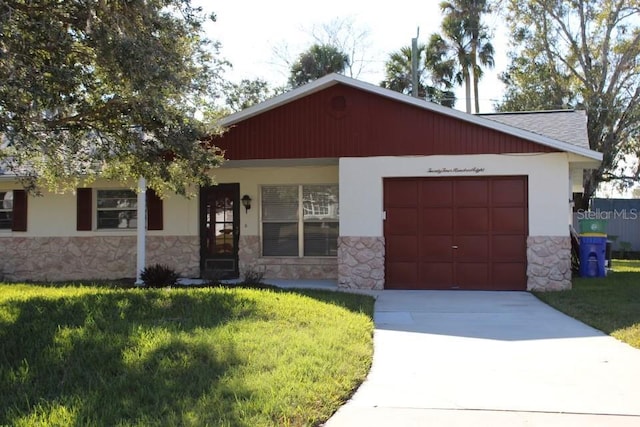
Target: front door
219, 230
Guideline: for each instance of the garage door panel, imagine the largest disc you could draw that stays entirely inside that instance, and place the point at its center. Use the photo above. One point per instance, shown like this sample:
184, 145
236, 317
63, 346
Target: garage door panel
403, 248
403, 221
436, 275
436, 248
436, 221
400, 193
471, 192
472, 220
472, 248
509, 276
508, 192
436, 193
506, 248
509, 220
472, 275
404, 274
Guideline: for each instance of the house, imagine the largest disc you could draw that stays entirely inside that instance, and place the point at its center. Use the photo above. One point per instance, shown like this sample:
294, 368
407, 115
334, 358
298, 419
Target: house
338, 179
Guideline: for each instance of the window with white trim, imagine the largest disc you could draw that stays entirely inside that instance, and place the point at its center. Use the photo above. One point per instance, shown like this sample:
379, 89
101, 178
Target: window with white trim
6, 210
300, 220
116, 209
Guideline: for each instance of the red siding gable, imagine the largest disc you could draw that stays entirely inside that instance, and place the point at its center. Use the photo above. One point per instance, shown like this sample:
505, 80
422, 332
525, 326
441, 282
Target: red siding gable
343, 121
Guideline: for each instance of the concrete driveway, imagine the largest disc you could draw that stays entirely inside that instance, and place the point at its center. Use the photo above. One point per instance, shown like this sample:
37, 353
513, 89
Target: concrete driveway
455, 358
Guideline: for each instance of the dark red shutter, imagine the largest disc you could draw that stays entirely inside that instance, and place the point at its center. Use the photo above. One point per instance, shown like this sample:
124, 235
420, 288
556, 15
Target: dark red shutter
154, 211
19, 210
84, 206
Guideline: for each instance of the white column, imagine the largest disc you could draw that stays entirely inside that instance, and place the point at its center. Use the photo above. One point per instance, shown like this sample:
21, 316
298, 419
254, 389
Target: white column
142, 228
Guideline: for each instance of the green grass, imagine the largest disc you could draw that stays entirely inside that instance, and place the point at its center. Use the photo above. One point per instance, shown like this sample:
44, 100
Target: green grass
93, 356
610, 304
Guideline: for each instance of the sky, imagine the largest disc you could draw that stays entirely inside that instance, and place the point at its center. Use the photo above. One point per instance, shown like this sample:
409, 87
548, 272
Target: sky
251, 31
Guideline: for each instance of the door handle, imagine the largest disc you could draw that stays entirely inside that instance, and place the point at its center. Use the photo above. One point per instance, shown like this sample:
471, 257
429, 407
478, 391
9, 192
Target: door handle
454, 247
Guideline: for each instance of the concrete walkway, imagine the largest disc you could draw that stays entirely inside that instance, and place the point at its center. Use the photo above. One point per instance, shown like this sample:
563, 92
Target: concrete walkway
455, 358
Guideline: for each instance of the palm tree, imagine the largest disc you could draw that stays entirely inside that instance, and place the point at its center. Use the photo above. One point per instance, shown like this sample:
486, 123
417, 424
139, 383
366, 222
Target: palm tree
469, 39
450, 56
398, 73
318, 61
398, 77
483, 57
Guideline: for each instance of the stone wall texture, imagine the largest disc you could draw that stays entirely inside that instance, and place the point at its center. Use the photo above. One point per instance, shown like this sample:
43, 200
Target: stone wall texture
549, 263
361, 262
93, 258
311, 268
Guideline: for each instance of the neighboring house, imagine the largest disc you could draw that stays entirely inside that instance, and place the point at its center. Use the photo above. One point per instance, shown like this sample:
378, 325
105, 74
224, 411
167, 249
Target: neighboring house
622, 219
347, 181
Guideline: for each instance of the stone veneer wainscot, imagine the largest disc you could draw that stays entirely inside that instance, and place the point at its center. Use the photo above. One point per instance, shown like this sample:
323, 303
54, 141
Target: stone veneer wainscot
549, 263
361, 262
93, 258
306, 268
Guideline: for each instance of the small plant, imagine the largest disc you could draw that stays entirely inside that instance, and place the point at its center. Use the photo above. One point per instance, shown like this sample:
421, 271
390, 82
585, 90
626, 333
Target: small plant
214, 277
159, 276
252, 276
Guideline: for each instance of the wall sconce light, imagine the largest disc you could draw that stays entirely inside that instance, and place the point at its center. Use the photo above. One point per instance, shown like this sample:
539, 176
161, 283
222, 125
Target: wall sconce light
246, 202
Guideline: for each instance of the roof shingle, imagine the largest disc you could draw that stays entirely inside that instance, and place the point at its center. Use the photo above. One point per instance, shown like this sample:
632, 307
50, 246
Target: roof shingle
563, 125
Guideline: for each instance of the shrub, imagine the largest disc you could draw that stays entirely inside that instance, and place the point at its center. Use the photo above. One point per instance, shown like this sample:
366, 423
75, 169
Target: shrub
159, 276
214, 277
251, 276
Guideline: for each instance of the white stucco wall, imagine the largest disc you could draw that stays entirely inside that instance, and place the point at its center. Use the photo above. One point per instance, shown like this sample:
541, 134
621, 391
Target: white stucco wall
361, 193
361, 188
252, 178
54, 215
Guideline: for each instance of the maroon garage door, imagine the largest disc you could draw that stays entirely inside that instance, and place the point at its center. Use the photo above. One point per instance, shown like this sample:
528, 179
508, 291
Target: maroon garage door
456, 233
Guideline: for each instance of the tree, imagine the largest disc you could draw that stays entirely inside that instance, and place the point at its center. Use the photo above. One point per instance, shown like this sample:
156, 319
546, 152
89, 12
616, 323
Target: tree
317, 62
581, 54
469, 13
247, 93
398, 77
106, 88
464, 45
344, 35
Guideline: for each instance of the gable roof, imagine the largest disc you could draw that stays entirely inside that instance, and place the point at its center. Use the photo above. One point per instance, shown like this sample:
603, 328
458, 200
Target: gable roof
564, 125
335, 79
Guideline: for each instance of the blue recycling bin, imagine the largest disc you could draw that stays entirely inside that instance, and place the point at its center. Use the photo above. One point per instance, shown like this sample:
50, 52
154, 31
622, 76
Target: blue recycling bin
593, 256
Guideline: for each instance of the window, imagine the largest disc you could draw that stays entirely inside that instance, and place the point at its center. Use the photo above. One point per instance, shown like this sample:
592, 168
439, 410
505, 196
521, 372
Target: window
117, 209
300, 220
6, 210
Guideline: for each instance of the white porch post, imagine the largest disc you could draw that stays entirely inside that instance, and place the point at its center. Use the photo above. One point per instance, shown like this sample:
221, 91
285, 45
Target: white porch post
141, 229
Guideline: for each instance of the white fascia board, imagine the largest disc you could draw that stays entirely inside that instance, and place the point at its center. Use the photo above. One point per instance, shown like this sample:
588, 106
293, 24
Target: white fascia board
333, 79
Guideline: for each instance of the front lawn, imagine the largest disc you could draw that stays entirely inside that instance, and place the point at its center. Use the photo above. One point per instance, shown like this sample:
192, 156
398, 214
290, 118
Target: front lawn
94, 356
610, 304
